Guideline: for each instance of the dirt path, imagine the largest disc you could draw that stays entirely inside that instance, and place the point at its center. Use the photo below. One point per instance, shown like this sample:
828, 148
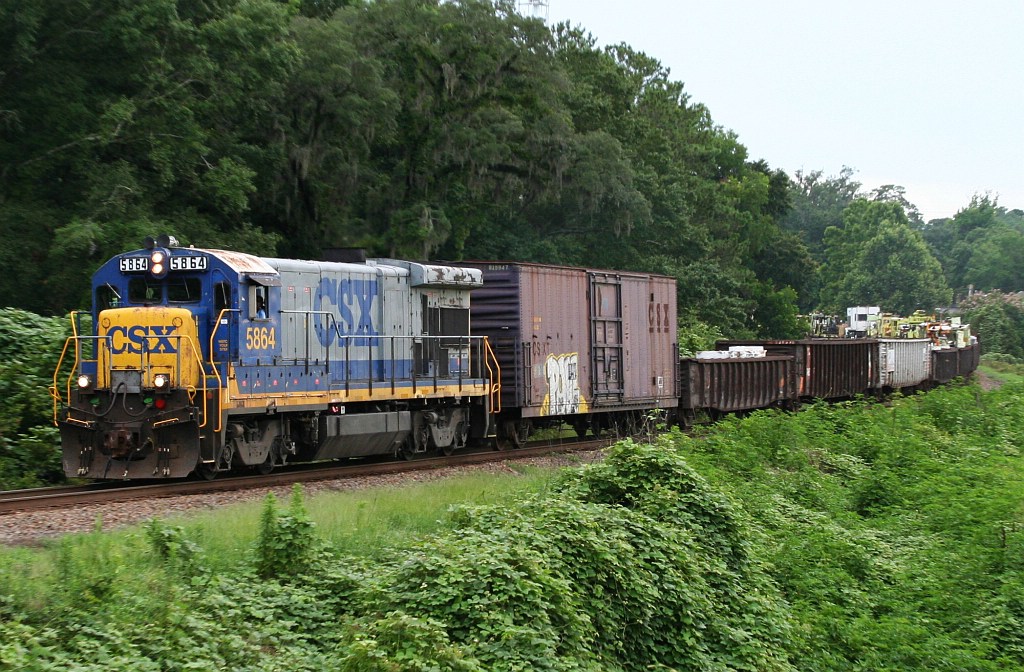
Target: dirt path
987, 382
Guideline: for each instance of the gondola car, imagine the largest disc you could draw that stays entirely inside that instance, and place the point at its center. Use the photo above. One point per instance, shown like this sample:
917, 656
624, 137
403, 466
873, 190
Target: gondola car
826, 368
717, 385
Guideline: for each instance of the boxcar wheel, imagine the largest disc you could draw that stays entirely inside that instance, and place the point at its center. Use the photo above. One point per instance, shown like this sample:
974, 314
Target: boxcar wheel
518, 431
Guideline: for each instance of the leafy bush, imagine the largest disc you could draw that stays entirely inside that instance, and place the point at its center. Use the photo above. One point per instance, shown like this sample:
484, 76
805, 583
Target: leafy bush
287, 541
30, 347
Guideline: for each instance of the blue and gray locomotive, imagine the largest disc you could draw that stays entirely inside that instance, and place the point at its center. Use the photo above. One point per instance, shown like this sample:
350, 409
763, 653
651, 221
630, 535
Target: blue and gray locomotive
202, 360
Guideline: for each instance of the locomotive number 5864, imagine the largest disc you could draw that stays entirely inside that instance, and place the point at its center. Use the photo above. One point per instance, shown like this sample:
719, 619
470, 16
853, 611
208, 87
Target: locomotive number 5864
260, 338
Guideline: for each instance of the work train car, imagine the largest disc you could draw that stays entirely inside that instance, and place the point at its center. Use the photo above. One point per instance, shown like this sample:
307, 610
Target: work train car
832, 369
594, 349
203, 360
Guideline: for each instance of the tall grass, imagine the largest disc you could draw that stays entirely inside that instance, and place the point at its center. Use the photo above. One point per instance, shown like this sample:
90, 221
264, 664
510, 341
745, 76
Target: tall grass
355, 522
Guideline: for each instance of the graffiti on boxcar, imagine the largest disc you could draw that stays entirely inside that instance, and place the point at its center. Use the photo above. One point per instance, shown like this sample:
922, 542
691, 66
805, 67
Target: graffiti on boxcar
563, 381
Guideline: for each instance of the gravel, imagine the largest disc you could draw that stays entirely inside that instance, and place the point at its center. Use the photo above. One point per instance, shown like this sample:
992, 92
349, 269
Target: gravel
32, 528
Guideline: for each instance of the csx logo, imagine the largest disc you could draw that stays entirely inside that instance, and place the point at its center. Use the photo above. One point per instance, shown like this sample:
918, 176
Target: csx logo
353, 300
141, 338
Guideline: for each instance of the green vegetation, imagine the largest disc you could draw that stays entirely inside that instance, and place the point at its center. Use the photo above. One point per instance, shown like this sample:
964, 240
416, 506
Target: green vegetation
1002, 368
848, 537
30, 347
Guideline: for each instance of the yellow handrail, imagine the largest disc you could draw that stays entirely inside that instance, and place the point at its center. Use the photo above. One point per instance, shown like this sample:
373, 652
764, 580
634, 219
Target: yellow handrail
495, 379
213, 365
197, 351
54, 390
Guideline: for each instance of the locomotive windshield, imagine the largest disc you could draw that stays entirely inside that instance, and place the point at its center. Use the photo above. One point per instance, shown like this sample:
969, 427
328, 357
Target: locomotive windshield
148, 290
184, 290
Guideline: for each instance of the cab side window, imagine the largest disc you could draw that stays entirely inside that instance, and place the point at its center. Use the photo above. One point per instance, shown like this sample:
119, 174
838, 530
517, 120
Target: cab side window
258, 303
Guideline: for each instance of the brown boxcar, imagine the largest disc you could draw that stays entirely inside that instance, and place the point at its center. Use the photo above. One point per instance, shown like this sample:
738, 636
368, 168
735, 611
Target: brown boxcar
589, 347
737, 384
827, 368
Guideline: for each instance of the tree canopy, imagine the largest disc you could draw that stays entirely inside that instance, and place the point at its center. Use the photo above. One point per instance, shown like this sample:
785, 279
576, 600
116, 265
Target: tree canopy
431, 129
876, 258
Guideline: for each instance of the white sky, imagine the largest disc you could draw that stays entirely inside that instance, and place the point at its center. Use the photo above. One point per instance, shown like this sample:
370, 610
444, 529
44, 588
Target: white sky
927, 94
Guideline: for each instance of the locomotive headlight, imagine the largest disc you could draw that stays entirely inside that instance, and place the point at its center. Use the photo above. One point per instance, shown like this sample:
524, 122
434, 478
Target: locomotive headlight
158, 263
161, 381
84, 381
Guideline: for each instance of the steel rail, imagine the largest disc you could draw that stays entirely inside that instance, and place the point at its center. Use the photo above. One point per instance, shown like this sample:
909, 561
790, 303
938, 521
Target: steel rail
121, 491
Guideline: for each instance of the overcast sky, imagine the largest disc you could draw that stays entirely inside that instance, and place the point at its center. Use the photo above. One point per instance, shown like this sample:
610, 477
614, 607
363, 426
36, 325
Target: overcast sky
927, 94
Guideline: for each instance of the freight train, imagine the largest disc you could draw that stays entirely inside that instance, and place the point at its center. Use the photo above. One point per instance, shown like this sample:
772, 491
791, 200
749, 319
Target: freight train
206, 361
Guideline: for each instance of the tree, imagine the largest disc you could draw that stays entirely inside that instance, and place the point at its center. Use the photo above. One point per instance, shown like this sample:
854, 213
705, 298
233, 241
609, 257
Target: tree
818, 203
981, 246
998, 320
997, 260
894, 193
119, 117
875, 258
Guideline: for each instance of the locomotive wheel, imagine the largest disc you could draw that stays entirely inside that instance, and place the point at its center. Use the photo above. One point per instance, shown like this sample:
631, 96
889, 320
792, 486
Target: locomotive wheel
407, 450
266, 466
458, 441
206, 471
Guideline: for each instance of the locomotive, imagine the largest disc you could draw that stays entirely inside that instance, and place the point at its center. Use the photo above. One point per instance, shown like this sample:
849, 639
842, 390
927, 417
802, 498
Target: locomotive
203, 360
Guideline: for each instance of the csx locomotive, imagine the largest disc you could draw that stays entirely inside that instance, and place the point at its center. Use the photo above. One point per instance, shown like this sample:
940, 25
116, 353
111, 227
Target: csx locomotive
204, 360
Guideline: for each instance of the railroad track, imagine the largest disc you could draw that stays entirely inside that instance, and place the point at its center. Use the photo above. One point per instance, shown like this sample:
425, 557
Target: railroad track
116, 491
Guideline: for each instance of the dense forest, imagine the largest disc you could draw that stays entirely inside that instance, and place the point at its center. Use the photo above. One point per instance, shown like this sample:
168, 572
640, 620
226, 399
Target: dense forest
432, 130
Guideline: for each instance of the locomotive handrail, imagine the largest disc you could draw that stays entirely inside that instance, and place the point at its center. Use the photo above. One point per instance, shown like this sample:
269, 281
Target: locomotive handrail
213, 364
198, 353
54, 389
466, 341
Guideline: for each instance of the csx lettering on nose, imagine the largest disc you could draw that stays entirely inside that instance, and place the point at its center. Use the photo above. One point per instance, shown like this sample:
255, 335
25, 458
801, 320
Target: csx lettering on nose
140, 338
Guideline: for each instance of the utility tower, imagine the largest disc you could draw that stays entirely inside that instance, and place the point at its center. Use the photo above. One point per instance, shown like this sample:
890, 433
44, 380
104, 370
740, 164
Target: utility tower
534, 9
